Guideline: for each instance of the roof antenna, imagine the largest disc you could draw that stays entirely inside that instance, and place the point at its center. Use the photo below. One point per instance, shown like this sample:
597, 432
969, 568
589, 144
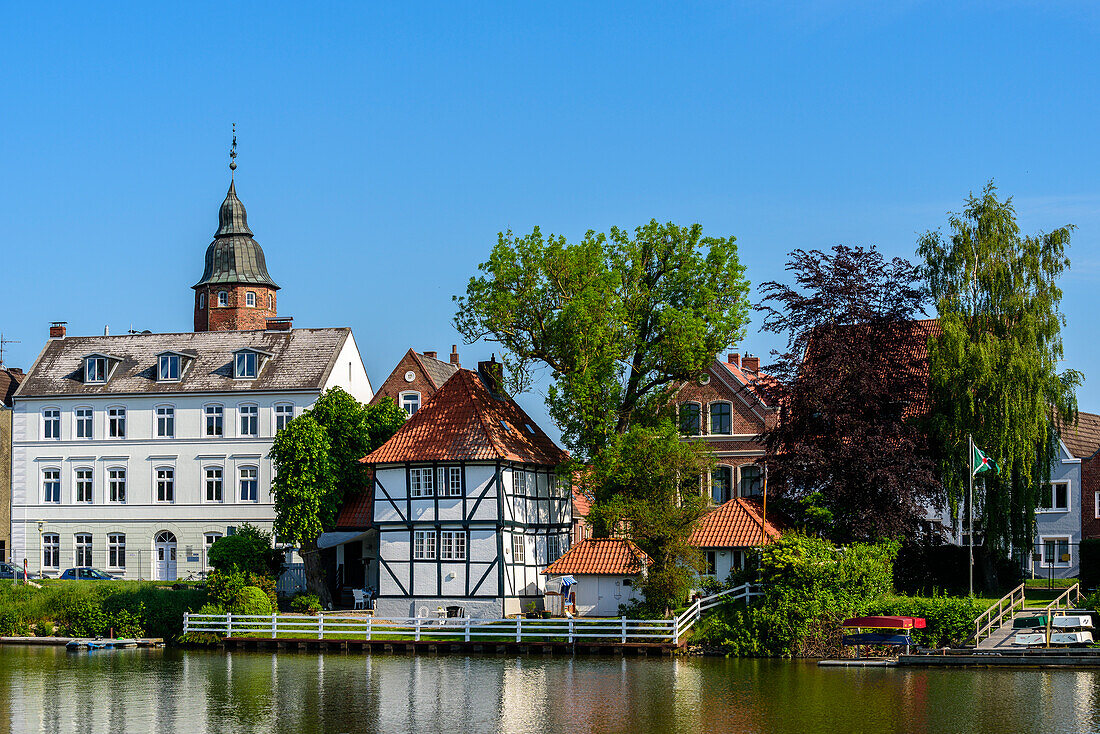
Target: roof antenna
4, 341
233, 153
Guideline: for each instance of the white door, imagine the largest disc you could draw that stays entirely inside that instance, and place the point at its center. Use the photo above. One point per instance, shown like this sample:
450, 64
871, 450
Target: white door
164, 556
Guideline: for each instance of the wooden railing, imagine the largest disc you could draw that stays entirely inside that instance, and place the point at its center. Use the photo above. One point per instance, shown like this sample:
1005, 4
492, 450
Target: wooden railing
691, 615
1066, 600
997, 614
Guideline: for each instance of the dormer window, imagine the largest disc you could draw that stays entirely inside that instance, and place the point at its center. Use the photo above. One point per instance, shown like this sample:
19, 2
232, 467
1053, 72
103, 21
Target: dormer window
169, 368
247, 363
95, 370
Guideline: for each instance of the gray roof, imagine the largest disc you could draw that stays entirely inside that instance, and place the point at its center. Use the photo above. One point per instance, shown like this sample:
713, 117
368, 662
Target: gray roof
233, 256
301, 359
438, 370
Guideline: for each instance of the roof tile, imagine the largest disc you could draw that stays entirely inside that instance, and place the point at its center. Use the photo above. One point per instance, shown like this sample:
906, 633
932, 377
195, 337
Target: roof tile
602, 556
1082, 439
735, 524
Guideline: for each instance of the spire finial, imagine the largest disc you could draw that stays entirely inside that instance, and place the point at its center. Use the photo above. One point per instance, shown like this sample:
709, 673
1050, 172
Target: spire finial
233, 153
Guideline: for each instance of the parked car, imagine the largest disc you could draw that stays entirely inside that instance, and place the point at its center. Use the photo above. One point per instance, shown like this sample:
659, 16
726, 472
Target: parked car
86, 573
11, 571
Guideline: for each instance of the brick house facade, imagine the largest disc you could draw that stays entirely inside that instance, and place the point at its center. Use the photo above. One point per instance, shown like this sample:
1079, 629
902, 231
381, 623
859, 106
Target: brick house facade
416, 378
1082, 441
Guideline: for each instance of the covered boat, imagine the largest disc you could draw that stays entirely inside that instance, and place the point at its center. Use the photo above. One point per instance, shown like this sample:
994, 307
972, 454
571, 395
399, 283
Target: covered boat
886, 623
1027, 639
1032, 622
1071, 638
1071, 621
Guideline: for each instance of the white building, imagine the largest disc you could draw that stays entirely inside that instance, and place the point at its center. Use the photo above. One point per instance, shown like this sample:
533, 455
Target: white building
134, 453
468, 509
606, 573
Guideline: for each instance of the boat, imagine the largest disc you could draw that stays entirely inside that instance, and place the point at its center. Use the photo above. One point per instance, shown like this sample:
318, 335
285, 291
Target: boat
1071, 638
1035, 621
1026, 639
876, 638
887, 623
1071, 621
99, 644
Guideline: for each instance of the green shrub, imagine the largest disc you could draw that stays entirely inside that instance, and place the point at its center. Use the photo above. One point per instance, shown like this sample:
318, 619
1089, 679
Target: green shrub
249, 550
13, 625
251, 600
306, 604
223, 586
267, 585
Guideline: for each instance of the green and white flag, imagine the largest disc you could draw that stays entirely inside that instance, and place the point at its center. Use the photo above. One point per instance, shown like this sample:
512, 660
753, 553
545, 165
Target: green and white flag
982, 463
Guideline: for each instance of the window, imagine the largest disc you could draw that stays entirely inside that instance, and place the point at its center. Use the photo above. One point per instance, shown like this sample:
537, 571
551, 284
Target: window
214, 425
270, 302
166, 421
82, 555
116, 550
553, 548
410, 402
51, 485
452, 545
689, 419
420, 483
454, 481
249, 485
1054, 497
168, 368
95, 370
116, 422
116, 485
250, 299
83, 418
737, 559
424, 545
223, 299
250, 420
244, 366
51, 423
712, 563
519, 548
284, 412
208, 539
721, 418
202, 301
83, 485
51, 550
1056, 552
721, 483
214, 484
166, 485
751, 483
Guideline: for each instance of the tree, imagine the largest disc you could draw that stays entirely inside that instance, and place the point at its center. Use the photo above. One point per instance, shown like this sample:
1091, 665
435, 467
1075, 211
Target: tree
317, 466
619, 319
994, 369
849, 446
249, 550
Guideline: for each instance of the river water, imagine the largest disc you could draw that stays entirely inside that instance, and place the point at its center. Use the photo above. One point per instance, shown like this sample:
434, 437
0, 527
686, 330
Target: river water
51, 690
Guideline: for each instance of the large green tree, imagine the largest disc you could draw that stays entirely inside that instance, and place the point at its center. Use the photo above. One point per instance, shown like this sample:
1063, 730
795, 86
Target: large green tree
995, 368
317, 467
618, 319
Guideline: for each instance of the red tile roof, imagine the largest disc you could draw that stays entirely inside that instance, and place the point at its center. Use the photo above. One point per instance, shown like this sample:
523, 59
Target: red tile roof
1082, 439
464, 421
581, 503
759, 384
601, 556
735, 524
356, 512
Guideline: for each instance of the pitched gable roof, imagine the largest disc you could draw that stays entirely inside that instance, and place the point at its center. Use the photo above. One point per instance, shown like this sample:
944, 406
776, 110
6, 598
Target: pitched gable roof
1082, 439
464, 421
356, 513
754, 384
601, 556
735, 524
9, 381
437, 370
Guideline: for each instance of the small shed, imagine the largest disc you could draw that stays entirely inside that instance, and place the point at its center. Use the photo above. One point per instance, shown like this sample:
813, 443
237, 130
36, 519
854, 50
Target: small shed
607, 572
727, 533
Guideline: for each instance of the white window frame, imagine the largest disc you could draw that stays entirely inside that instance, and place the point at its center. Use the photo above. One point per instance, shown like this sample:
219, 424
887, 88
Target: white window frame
284, 412
424, 545
1096, 498
55, 472
1044, 539
452, 545
51, 550
1049, 488
209, 482
407, 398
165, 420
248, 417
78, 482
242, 361
519, 549
453, 484
164, 367
51, 424
209, 538
83, 421
82, 544
116, 478
223, 299
421, 482
116, 422
253, 480
732, 487
710, 418
740, 478
116, 551
95, 370
215, 412
710, 558
250, 299
164, 478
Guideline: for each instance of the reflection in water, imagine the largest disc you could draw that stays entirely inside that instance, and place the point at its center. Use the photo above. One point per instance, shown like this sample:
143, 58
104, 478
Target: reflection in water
163, 691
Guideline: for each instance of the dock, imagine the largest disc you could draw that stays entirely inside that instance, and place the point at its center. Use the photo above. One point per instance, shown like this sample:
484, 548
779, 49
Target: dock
1035, 657
460, 647
85, 641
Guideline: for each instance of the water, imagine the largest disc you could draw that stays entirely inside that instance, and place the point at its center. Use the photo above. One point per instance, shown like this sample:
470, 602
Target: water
51, 690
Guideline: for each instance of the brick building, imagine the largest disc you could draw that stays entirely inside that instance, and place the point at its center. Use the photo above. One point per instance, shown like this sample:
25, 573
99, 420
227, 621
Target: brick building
416, 378
1082, 442
9, 381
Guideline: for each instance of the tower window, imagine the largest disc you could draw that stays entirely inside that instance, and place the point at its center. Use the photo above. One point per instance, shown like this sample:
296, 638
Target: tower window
250, 299
202, 301
270, 302
223, 299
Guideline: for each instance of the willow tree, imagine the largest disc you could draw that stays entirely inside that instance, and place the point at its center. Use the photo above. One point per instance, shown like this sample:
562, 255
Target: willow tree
994, 370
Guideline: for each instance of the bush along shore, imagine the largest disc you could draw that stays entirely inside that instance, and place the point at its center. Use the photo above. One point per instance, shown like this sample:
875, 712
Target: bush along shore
810, 586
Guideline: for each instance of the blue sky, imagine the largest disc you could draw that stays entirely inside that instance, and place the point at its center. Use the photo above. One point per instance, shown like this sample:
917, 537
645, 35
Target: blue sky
383, 146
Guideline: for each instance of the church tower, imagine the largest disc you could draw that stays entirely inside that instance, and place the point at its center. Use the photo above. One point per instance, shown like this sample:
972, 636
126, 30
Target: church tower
235, 291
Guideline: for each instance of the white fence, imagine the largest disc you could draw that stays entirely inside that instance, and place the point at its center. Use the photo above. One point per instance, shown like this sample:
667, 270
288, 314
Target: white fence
348, 627
292, 580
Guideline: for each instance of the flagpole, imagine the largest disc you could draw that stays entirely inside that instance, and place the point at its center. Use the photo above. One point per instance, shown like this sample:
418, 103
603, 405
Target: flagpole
970, 510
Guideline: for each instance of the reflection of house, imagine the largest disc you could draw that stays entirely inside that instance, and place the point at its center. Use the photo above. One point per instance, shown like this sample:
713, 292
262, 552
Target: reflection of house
727, 533
468, 508
134, 453
416, 378
608, 572
728, 411
9, 381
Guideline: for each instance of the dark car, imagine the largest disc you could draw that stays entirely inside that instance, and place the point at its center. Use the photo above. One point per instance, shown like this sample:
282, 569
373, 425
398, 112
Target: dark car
86, 573
11, 571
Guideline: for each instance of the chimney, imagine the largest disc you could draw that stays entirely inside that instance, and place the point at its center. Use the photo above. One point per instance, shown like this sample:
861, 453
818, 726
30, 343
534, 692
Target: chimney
282, 323
734, 358
492, 373
57, 329
454, 355
750, 363
430, 355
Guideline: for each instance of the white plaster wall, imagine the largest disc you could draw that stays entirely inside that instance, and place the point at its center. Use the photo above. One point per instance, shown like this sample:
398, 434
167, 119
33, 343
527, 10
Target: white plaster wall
348, 373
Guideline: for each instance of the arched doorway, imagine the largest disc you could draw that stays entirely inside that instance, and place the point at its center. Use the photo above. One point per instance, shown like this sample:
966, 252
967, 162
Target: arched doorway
164, 556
